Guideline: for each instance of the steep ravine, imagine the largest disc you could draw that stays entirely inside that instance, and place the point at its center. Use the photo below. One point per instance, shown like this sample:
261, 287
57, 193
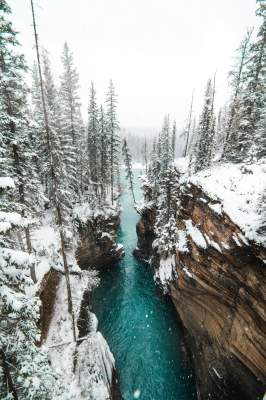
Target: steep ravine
219, 295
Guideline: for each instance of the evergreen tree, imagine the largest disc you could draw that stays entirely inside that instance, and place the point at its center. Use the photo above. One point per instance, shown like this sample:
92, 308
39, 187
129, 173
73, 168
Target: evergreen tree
93, 139
253, 101
128, 166
173, 144
24, 369
58, 195
114, 140
238, 74
219, 138
165, 144
188, 127
72, 125
16, 133
104, 153
206, 130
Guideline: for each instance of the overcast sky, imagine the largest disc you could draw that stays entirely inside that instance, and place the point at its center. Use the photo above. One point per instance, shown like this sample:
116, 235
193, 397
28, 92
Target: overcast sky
156, 51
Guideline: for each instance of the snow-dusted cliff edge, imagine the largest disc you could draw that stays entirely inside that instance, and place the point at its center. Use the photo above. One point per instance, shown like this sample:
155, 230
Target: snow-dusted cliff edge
218, 285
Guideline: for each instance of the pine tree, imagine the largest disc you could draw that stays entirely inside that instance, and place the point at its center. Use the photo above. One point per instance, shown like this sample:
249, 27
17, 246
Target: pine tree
114, 140
93, 139
104, 153
206, 130
188, 127
173, 144
16, 132
58, 195
165, 144
71, 125
258, 149
24, 369
128, 166
238, 74
145, 156
219, 138
253, 101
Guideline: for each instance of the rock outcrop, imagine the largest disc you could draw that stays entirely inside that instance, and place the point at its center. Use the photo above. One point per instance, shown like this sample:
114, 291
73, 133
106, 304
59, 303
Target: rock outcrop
220, 296
97, 247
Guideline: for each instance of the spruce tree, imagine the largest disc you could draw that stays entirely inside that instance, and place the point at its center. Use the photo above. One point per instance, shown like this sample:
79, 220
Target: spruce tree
72, 125
128, 166
206, 130
58, 194
238, 75
16, 132
114, 140
24, 369
173, 144
93, 139
104, 153
253, 100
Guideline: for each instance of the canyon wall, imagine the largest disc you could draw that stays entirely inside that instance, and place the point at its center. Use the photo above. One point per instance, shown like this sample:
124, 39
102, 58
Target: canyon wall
97, 249
220, 296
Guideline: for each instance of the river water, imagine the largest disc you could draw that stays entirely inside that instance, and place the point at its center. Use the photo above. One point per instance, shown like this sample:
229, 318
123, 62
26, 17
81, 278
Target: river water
140, 324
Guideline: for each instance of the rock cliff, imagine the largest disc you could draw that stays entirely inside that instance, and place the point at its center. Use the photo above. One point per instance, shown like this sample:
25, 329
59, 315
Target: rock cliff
97, 246
220, 295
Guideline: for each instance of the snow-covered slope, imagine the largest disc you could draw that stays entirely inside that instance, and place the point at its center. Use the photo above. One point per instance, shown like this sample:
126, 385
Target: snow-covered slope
239, 188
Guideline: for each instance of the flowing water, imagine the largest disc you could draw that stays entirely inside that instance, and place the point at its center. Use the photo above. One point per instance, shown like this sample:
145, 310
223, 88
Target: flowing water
140, 324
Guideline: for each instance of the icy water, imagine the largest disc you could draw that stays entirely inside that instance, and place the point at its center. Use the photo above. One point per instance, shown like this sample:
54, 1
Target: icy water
140, 324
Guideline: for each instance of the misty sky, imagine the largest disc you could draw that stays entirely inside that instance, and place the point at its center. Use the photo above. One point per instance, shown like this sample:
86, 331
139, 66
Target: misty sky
156, 51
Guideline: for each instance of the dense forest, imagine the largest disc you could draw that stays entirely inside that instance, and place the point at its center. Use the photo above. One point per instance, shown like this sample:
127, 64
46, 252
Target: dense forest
53, 163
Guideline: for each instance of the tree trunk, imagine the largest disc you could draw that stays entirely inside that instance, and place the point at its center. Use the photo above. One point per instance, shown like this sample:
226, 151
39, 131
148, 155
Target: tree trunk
10, 385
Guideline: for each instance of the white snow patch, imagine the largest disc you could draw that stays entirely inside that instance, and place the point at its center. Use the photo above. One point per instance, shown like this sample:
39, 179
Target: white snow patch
238, 187
187, 272
182, 241
6, 182
217, 207
166, 271
182, 164
195, 234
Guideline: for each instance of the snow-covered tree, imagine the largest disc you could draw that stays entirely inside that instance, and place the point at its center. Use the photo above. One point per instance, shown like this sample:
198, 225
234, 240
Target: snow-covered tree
128, 166
104, 153
24, 369
219, 138
114, 140
72, 124
173, 144
205, 131
93, 139
254, 98
238, 78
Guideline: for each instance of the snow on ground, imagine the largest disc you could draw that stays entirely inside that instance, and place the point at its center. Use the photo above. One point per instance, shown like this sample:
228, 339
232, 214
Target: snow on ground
238, 187
85, 212
195, 234
182, 164
6, 183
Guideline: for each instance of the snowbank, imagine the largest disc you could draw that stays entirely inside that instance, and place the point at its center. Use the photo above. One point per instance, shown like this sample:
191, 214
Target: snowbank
6, 183
238, 187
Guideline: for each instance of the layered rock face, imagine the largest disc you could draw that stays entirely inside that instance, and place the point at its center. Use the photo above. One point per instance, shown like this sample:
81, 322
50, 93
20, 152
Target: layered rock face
97, 247
220, 296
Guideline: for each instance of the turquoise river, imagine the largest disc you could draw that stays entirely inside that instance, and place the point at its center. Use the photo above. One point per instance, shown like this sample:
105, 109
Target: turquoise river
140, 324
